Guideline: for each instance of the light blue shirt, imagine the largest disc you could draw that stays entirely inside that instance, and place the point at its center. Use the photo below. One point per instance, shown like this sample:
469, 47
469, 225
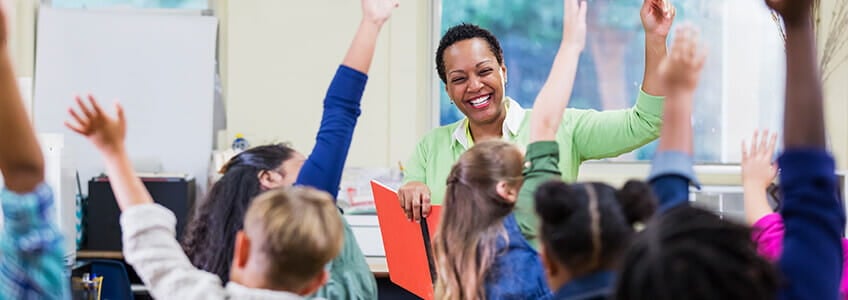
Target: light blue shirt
32, 264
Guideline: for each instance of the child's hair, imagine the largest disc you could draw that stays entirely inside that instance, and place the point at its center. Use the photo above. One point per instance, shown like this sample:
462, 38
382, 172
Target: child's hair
211, 233
464, 245
298, 230
587, 226
690, 253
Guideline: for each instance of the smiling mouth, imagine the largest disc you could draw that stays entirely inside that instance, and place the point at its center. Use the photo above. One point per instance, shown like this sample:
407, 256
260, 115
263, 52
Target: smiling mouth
480, 102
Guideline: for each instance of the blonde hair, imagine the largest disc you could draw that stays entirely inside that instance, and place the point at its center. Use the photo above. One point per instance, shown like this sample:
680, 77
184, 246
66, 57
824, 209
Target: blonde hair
472, 218
298, 230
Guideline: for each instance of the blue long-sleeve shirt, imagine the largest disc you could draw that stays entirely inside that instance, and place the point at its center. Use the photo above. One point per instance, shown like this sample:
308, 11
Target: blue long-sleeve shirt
811, 262
350, 277
323, 169
814, 219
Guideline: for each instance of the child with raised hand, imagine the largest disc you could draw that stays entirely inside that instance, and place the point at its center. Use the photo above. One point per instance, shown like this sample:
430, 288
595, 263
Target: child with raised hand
688, 252
32, 264
288, 238
812, 257
758, 172
584, 226
210, 237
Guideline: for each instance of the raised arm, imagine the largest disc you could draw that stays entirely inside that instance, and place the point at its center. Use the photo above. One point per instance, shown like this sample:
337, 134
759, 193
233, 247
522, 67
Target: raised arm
32, 260
671, 169
556, 92
813, 216
323, 168
21, 160
657, 17
149, 235
107, 134
758, 172
542, 157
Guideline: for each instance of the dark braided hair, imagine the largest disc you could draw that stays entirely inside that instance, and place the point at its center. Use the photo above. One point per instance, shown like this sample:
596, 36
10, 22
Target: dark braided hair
587, 226
690, 253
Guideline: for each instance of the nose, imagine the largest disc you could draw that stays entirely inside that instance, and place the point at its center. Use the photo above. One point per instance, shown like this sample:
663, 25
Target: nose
474, 84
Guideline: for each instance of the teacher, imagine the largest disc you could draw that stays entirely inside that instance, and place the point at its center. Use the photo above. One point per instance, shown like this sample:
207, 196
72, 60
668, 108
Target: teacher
469, 61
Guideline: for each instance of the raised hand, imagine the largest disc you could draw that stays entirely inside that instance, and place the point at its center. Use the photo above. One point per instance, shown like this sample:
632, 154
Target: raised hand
574, 24
657, 16
792, 10
680, 71
378, 11
757, 167
105, 132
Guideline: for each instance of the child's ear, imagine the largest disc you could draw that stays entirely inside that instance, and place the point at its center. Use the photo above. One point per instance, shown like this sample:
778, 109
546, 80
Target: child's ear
242, 249
507, 191
315, 284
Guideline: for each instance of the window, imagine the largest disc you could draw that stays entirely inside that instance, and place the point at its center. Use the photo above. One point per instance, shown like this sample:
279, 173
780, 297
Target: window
741, 86
183, 4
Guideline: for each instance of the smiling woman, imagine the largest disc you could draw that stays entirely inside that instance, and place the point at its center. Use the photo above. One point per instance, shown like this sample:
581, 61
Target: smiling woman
470, 63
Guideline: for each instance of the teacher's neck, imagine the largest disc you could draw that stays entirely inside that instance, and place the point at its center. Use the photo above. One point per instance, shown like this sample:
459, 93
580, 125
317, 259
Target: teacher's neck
488, 131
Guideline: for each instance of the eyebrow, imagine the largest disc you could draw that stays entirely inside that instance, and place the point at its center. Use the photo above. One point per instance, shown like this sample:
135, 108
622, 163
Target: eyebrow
477, 65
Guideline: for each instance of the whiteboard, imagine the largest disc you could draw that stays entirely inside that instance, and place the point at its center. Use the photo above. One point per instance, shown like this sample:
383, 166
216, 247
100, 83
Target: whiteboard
160, 67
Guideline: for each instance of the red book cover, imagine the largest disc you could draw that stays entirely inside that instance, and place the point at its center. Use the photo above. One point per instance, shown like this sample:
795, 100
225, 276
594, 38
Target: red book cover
407, 243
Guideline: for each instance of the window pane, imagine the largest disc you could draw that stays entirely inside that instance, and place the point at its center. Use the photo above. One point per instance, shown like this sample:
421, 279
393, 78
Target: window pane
188, 4
741, 86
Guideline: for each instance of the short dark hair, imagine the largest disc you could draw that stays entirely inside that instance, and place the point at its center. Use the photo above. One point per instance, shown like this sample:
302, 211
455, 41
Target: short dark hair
460, 33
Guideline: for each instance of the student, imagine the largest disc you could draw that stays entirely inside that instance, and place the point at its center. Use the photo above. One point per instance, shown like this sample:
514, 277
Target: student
32, 264
690, 253
758, 172
470, 63
288, 237
479, 250
687, 252
209, 239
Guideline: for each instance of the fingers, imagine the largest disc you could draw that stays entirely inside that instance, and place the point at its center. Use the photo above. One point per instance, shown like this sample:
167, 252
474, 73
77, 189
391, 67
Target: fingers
416, 207
95, 107
85, 110
82, 122
405, 203
744, 151
119, 111
764, 143
425, 204
75, 128
581, 13
772, 144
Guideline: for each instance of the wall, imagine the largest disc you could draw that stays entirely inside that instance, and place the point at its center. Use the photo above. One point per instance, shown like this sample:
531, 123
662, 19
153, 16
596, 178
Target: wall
281, 55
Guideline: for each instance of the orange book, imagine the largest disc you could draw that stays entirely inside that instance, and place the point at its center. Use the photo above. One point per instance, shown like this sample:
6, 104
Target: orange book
407, 243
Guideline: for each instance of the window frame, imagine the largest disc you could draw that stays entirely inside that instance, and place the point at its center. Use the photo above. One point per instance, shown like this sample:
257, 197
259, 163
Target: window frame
731, 136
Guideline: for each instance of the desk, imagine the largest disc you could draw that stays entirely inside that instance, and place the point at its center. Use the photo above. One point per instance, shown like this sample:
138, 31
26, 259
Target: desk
89, 254
377, 264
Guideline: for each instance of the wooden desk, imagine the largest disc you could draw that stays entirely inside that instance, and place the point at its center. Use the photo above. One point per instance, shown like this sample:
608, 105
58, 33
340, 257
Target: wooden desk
90, 254
376, 264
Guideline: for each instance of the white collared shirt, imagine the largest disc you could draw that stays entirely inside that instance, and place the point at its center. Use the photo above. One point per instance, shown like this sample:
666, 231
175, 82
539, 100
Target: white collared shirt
514, 116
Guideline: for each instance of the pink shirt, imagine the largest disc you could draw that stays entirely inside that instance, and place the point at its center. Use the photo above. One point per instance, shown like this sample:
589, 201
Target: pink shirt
768, 235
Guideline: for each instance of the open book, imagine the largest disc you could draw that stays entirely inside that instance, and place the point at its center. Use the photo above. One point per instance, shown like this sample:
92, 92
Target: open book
407, 243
